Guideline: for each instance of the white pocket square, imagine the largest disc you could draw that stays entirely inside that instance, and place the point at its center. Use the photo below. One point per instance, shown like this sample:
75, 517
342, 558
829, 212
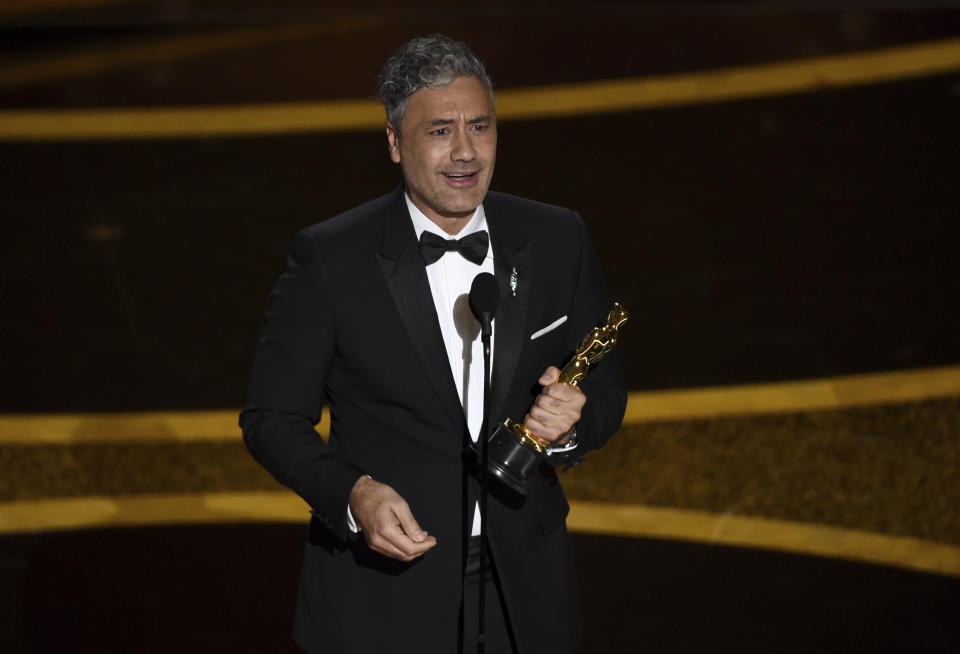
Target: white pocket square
549, 328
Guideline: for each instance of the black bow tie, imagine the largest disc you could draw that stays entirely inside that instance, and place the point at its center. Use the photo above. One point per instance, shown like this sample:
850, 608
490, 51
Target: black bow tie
472, 247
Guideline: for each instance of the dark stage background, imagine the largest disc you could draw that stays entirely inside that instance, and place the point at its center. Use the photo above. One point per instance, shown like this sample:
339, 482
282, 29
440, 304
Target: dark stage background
780, 236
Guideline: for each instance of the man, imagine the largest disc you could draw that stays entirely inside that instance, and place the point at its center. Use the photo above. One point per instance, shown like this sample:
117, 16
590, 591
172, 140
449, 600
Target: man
376, 327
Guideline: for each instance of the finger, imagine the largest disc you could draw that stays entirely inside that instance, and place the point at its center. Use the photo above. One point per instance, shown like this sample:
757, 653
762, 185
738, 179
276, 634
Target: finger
542, 430
392, 542
408, 523
383, 546
563, 392
549, 376
547, 403
406, 533
414, 550
535, 426
550, 410
407, 547
551, 425
543, 415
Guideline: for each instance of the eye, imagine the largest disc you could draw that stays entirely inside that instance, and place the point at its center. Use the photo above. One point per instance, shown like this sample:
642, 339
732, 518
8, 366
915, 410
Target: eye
442, 131
480, 127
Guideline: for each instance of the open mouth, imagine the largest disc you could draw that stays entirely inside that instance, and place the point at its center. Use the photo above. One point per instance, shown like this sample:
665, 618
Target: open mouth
460, 177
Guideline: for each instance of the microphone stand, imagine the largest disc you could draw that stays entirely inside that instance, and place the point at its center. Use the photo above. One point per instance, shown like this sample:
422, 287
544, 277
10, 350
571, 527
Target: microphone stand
485, 331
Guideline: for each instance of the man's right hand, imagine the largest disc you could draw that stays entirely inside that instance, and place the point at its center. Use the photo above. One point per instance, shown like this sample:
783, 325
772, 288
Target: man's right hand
386, 521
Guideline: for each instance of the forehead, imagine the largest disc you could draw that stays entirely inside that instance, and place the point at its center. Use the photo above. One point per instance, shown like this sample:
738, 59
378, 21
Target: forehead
463, 98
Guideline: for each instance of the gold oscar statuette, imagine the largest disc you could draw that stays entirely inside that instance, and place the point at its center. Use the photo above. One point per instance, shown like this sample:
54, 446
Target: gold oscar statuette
513, 449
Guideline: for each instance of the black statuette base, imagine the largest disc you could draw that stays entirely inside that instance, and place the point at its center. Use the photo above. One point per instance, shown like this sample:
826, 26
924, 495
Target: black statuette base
511, 461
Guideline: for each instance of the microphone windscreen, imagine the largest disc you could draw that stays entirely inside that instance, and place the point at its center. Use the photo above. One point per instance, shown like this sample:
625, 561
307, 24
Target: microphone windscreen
484, 295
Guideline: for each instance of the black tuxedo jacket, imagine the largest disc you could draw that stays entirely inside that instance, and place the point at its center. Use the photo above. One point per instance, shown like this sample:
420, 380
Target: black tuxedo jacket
352, 326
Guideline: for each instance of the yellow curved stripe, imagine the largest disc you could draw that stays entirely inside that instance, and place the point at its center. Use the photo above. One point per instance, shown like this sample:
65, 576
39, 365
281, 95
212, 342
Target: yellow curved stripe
806, 395
146, 426
36, 6
88, 512
244, 120
221, 425
734, 83
587, 517
763, 533
176, 48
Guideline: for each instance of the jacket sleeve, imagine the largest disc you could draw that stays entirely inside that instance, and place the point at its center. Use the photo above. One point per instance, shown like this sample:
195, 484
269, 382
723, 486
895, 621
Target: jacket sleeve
603, 384
286, 389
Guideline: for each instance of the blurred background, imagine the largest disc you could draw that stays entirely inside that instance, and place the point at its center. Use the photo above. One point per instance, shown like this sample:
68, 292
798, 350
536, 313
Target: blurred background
771, 189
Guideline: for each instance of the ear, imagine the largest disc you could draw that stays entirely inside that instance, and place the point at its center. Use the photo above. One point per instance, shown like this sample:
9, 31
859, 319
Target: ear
393, 143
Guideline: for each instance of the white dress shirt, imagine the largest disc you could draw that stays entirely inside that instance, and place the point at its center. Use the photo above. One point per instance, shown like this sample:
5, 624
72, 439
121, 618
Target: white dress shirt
450, 279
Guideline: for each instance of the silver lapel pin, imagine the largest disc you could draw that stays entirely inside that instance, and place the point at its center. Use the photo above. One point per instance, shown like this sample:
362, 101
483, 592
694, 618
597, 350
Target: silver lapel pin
513, 282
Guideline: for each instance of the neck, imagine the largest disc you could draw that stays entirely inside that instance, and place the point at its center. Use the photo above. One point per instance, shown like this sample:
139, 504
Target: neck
451, 226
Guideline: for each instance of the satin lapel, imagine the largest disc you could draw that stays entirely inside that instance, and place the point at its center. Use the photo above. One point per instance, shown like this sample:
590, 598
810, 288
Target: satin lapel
511, 318
406, 277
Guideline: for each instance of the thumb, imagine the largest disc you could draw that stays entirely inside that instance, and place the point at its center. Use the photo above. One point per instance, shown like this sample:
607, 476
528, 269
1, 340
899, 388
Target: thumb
410, 526
549, 376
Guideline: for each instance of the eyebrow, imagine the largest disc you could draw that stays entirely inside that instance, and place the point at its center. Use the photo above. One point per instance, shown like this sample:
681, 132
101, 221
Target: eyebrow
440, 122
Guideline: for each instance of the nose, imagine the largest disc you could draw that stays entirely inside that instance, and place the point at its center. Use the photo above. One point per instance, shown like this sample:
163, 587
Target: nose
462, 147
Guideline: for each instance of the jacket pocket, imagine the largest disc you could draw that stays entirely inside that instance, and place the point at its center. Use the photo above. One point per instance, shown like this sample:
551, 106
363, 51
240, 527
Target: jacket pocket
549, 328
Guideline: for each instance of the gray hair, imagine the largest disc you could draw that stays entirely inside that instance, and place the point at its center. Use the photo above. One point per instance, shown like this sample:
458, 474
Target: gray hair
431, 62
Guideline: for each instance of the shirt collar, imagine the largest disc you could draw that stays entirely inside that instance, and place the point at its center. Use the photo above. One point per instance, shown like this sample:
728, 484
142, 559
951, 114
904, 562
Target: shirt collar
421, 223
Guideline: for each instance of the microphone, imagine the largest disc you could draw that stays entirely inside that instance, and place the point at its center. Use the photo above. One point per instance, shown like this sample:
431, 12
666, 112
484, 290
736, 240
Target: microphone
484, 297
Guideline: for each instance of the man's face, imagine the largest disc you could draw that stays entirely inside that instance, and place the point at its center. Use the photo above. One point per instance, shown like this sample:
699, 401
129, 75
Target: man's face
447, 148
